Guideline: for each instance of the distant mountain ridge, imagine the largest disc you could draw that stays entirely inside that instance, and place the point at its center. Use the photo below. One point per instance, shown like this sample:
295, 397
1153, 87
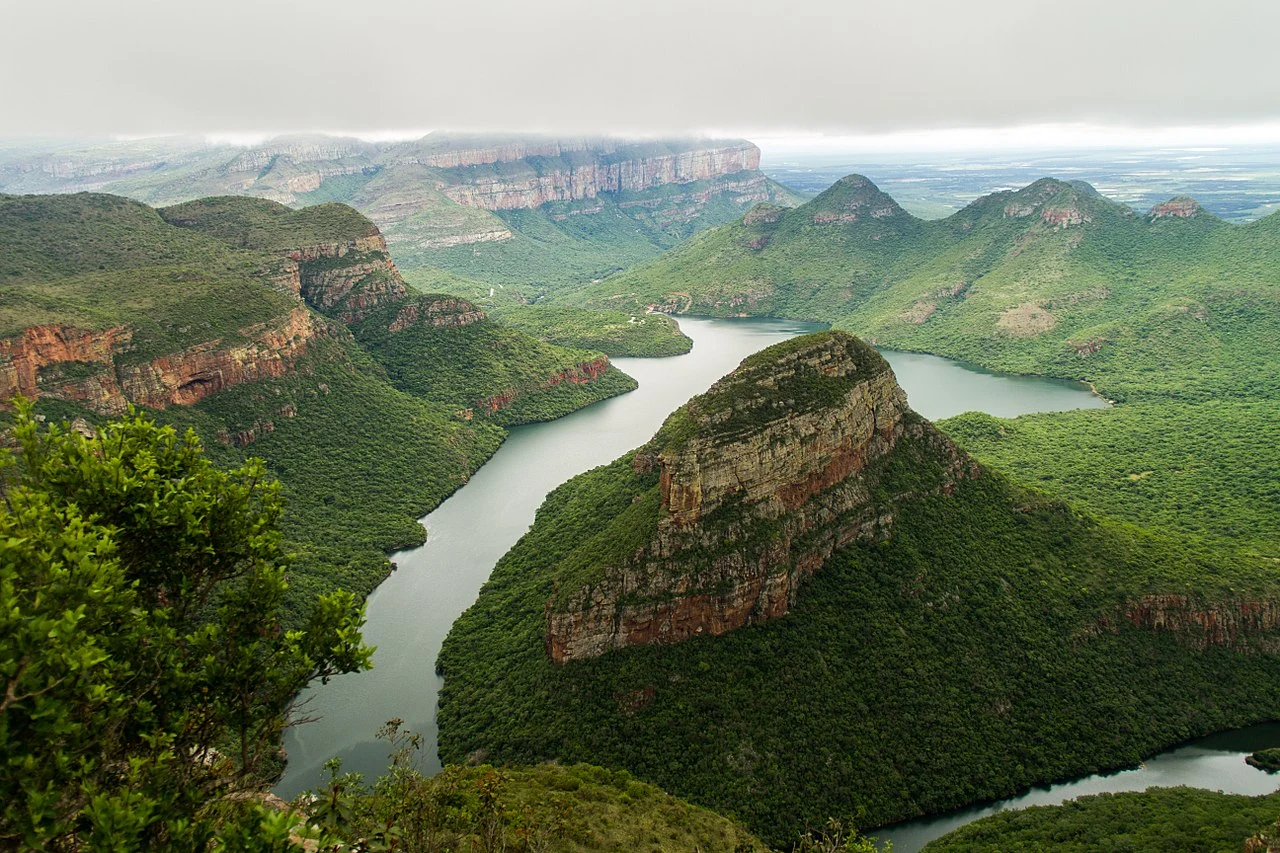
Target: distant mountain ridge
1053, 278
629, 199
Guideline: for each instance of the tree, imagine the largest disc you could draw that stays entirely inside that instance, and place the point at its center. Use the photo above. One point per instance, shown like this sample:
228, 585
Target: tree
146, 674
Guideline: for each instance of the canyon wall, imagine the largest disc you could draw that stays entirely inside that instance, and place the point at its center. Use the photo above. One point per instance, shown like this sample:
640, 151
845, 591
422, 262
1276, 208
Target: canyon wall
93, 368
573, 180
756, 498
348, 279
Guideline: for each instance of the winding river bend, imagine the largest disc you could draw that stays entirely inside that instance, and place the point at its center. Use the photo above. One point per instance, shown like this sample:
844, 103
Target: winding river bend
410, 613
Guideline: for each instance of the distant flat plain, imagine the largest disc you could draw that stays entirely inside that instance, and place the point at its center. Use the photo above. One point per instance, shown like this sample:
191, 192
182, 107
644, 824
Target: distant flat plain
1236, 183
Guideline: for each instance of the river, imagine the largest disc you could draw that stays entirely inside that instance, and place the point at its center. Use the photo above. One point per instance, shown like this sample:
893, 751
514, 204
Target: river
410, 613
1215, 762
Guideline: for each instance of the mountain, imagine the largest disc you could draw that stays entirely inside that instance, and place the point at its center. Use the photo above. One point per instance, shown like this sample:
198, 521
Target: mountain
800, 600
1170, 314
233, 316
1051, 279
510, 210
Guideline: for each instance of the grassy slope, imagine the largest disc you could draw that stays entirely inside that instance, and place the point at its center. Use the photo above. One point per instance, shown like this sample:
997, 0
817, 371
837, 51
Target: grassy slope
1171, 820
256, 223
956, 662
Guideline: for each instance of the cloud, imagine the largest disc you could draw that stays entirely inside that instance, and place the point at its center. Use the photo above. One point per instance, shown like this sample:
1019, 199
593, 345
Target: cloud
842, 66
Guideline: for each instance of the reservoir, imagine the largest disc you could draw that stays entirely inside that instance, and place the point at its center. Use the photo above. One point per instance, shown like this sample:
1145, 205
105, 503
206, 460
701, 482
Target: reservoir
410, 613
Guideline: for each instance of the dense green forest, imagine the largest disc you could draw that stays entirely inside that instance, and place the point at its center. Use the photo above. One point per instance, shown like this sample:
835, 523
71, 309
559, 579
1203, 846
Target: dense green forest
982, 648
143, 645
1171, 820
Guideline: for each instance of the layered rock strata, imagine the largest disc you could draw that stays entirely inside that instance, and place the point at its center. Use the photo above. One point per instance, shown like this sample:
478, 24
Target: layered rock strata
759, 480
441, 312
1236, 624
92, 368
574, 180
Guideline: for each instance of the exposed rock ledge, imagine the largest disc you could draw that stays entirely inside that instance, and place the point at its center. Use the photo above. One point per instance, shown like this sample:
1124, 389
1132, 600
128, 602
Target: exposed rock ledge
778, 465
85, 367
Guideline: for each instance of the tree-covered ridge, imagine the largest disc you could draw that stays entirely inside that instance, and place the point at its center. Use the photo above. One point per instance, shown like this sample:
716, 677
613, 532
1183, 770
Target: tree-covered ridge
990, 643
258, 223
1208, 471
95, 261
1176, 820
615, 333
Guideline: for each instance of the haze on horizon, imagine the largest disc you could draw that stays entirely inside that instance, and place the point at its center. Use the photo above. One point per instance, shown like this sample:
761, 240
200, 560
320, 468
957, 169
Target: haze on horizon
842, 69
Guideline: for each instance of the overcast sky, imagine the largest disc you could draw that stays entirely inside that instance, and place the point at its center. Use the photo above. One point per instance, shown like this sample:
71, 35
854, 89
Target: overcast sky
660, 66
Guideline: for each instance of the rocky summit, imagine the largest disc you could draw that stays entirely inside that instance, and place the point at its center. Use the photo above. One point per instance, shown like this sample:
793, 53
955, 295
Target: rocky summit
758, 481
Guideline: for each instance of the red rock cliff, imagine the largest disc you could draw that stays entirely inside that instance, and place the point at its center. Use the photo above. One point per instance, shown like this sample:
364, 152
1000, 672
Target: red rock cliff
758, 497
348, 279
87, 367
1238, 624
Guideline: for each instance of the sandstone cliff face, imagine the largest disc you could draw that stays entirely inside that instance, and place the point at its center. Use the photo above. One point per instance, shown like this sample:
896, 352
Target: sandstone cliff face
348, 279
446, 312
758, 497
1237, 624
86, 367
601, 174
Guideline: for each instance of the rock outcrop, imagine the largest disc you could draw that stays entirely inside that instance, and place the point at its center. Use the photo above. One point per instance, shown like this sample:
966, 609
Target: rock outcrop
94, 368
348, 280
1179, 207
1236, 624
441, 312
758, 481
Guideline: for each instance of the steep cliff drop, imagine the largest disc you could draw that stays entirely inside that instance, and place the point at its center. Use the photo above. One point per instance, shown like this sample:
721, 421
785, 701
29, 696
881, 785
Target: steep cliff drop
759, 480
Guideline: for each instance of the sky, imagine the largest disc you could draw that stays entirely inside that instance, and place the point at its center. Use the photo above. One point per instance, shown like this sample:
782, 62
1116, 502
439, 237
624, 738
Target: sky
843, 68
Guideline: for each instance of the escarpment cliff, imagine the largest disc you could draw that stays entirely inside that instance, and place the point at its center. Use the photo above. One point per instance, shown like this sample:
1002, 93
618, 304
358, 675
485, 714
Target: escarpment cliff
529, 183
349, 280
758, 481
97, 369
1235, 623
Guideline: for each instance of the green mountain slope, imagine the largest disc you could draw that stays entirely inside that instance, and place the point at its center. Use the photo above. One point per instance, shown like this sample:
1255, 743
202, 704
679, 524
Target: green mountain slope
433, 346
229, 315
1176, 820
973, 638
1051, 279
